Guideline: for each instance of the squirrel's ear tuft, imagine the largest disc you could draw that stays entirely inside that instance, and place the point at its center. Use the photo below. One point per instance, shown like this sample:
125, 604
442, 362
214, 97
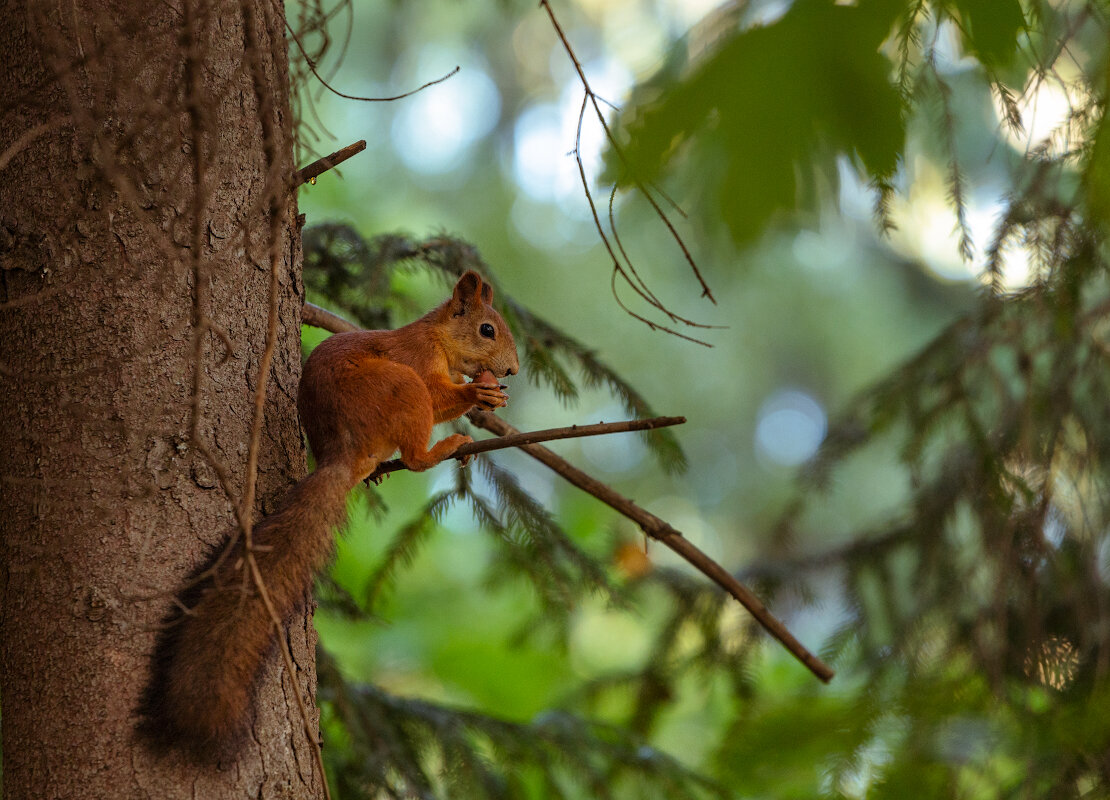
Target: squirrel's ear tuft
487, 294
467, 291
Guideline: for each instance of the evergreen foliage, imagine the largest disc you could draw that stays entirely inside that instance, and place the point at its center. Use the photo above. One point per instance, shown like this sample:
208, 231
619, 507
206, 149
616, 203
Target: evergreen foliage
403, 748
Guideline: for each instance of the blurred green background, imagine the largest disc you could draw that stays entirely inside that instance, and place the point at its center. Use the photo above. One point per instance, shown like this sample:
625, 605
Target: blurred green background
778, 128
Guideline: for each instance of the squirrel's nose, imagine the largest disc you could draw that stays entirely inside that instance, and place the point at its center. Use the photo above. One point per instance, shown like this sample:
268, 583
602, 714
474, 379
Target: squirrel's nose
509, 371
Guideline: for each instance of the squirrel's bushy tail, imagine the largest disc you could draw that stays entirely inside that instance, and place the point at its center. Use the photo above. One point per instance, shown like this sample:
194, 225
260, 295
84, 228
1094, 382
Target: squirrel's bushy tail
208, 658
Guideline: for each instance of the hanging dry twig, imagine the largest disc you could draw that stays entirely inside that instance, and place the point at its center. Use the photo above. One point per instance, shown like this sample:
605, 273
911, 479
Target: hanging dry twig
277, 213
618, 268
650, 524
312, 67
625, 268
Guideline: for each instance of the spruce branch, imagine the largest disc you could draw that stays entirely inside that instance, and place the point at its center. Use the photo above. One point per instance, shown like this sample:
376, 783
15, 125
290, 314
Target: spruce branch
397, 742
535, 544
650, 524
402, 551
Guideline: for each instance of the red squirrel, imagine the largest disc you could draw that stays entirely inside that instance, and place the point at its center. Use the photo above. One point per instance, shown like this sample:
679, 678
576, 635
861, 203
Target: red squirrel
363, 395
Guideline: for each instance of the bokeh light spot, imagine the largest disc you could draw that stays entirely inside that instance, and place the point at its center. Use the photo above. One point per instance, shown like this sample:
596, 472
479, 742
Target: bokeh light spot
790, 427
434, 129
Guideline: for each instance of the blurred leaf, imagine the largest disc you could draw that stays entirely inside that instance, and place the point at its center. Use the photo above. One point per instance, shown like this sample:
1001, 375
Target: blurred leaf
776, 100
992, 27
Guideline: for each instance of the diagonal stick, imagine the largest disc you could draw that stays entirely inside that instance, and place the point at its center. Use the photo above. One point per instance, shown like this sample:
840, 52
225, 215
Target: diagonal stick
661, 531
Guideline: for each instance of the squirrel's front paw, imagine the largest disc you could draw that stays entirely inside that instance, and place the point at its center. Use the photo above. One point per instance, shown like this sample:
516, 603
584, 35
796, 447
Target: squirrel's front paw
489, 397
486, 392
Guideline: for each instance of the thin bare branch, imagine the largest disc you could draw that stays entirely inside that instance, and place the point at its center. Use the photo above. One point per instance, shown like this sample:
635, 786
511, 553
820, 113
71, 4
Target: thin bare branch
647, 293
317, 317
546, 435
312, 68
276, 191
618, 269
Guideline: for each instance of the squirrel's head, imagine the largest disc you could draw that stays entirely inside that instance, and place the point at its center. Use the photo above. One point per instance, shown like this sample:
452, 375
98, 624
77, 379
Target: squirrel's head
480, 337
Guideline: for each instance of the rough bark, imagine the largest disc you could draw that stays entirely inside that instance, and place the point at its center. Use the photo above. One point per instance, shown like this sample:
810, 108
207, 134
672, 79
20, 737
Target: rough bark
144, 207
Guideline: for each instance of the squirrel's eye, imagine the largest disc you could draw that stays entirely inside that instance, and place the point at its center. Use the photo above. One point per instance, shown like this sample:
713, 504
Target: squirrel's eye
487, 330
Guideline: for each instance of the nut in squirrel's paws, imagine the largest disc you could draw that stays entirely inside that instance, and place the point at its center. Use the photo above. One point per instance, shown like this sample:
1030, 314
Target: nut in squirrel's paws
494, 398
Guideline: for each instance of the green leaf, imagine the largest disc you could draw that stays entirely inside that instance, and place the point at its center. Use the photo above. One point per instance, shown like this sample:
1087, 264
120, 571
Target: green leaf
774, 99
992, 27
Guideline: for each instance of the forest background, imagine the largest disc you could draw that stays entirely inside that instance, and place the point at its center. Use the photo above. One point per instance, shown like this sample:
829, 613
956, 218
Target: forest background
890, 434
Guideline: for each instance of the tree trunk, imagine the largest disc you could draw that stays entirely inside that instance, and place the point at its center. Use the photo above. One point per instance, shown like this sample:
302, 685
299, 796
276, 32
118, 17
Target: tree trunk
147, 231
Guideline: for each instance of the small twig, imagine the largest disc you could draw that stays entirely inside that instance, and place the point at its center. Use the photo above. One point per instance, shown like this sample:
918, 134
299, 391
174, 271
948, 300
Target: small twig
290, 667
321, 165
520, 439
618, 269
650, 524
277, 216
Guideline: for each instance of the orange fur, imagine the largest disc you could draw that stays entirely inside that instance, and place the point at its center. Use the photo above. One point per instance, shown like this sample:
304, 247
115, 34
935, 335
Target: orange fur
363, 396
